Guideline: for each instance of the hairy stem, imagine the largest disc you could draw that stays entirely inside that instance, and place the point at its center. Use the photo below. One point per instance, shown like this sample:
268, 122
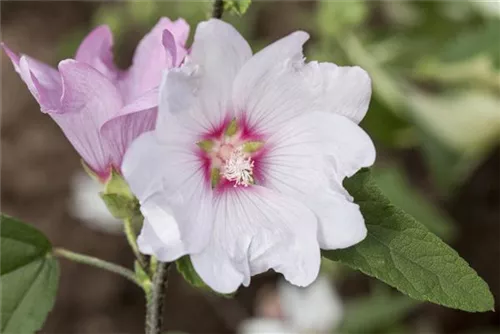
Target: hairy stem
155, 297
98, 263
218, 9
132, 241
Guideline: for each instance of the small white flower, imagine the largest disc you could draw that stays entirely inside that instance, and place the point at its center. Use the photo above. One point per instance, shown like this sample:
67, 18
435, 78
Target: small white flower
244, 170
87, 206
314, 309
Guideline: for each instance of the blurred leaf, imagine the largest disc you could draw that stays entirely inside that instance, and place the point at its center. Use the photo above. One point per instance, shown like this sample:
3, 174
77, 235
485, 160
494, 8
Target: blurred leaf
393, 184
375, 313
29, 275
238, 7
386, 127
335, 17
467, 121
404, 254
469, 43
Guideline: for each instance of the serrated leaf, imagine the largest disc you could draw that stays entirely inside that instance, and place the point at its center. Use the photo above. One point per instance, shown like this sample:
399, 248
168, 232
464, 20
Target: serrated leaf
29, 275
238, 7
401, 252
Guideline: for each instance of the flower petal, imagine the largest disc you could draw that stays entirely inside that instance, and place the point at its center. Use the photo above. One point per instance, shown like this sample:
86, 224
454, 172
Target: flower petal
315, 309
160, 235
150, 59
172, 178
270, 88
96, 50
134, 119
343, 90
257, 229
89, 99
200, 91
308, 159
42, 80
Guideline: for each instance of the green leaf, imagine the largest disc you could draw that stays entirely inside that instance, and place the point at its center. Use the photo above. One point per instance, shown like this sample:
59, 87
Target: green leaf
401, 252
394, 185
238, 7
29, 275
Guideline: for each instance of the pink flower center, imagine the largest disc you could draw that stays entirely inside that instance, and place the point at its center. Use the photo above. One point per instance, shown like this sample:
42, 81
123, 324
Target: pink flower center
229, 155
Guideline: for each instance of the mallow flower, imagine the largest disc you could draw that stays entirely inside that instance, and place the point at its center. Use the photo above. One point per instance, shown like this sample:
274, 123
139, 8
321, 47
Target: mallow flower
99, 107
244, 169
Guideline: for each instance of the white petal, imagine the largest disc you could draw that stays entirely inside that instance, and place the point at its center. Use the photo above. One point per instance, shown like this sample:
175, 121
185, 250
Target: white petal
316, 308
160, 235
255, 230
169, 179
270, 89
341, 224
200, 90
265, 326
343, 90
307, 160
346, 144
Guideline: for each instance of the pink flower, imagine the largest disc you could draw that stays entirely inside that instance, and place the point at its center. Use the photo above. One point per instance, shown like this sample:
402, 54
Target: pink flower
99, 107
244, 169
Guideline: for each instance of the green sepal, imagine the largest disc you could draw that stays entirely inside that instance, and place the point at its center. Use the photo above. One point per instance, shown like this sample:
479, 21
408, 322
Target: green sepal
252, 146
118, 197
232, 128
206, 145
214, 177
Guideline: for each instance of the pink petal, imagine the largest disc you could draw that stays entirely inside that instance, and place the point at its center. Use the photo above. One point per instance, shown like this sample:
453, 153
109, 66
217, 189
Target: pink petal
134, 119
96, 50
151, 58
42, 80
89, 99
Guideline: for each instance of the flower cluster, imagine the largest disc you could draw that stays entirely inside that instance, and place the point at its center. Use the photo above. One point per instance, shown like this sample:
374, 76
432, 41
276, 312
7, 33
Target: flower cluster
240, 166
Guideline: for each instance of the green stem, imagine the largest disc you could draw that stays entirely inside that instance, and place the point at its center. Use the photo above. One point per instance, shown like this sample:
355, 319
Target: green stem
98, 263
155, 297
132, 241
218, 9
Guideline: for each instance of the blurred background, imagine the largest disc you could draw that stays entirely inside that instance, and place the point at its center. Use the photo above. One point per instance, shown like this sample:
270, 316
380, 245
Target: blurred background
434, 116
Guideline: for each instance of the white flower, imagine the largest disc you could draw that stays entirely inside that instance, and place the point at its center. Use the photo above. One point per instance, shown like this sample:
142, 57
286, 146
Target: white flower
314, 309
86, 205
244, 170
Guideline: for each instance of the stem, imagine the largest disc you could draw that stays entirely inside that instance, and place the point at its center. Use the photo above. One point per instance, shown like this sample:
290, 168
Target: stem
98, 263
154, 308
132, 241
218, 9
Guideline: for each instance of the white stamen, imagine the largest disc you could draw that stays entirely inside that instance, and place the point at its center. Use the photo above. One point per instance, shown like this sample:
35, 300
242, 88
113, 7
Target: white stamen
238, 168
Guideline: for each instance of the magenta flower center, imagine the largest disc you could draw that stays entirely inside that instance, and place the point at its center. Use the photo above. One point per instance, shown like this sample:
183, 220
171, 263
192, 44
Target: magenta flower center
229, 155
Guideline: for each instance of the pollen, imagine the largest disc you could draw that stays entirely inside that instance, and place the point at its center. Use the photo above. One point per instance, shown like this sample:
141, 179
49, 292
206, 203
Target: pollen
238, 168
